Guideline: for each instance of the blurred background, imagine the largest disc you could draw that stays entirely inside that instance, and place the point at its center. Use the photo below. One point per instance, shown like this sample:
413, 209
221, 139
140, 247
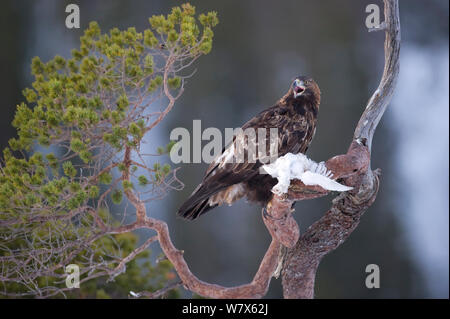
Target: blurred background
259, 47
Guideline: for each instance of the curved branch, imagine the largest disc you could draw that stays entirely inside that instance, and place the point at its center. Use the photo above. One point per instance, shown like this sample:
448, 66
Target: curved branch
382, 96
256, 289
301, 262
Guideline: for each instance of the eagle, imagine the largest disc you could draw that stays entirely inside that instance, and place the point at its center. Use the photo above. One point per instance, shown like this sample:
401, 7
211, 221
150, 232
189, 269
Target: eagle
226, 181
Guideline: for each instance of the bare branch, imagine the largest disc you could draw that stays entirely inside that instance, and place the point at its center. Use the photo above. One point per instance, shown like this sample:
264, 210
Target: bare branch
256, 289
301, 262
157, 294
382, 96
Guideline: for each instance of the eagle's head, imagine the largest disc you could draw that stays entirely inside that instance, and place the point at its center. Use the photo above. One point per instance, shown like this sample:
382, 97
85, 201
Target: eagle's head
305, 87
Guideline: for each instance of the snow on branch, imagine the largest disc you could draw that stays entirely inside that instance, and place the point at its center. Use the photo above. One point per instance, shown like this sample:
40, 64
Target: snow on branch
298, 166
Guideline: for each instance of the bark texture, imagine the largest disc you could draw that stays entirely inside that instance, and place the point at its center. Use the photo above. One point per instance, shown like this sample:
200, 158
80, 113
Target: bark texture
301, 262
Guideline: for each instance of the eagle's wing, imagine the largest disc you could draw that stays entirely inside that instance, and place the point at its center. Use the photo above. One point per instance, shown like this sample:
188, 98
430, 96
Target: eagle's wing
221, 182
223, 178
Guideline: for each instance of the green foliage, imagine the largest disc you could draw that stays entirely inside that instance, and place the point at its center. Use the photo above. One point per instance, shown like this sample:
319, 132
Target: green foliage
174, 83
160, 172
170, 146
166, 169
135, 130
94, 191
69, 170
85, 156
91, 108
52, 161
127, 185
155, 83
122, 103
62, 90
117, 196
166, 150
77, 145
142, 180
105, 178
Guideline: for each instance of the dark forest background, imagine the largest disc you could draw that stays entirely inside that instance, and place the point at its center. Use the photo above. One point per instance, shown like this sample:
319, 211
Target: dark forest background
259, 47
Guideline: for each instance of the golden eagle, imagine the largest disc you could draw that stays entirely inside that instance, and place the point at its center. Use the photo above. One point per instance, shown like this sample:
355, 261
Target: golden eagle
226, 181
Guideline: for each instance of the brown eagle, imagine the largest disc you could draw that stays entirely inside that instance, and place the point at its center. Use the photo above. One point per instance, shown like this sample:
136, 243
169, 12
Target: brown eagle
225, 181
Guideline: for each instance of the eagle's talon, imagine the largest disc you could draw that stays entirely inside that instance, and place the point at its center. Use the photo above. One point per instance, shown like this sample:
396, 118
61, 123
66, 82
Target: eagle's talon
266, 215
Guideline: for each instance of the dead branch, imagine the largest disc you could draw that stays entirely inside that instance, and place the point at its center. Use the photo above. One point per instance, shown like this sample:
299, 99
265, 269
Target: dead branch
256, 289
302, 261
157, 294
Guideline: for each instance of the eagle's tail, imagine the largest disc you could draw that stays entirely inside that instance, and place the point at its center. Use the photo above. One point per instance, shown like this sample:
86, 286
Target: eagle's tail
196, 210
198, 203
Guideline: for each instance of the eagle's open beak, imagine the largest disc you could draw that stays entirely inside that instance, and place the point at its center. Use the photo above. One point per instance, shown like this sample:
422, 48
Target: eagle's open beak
299, 88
